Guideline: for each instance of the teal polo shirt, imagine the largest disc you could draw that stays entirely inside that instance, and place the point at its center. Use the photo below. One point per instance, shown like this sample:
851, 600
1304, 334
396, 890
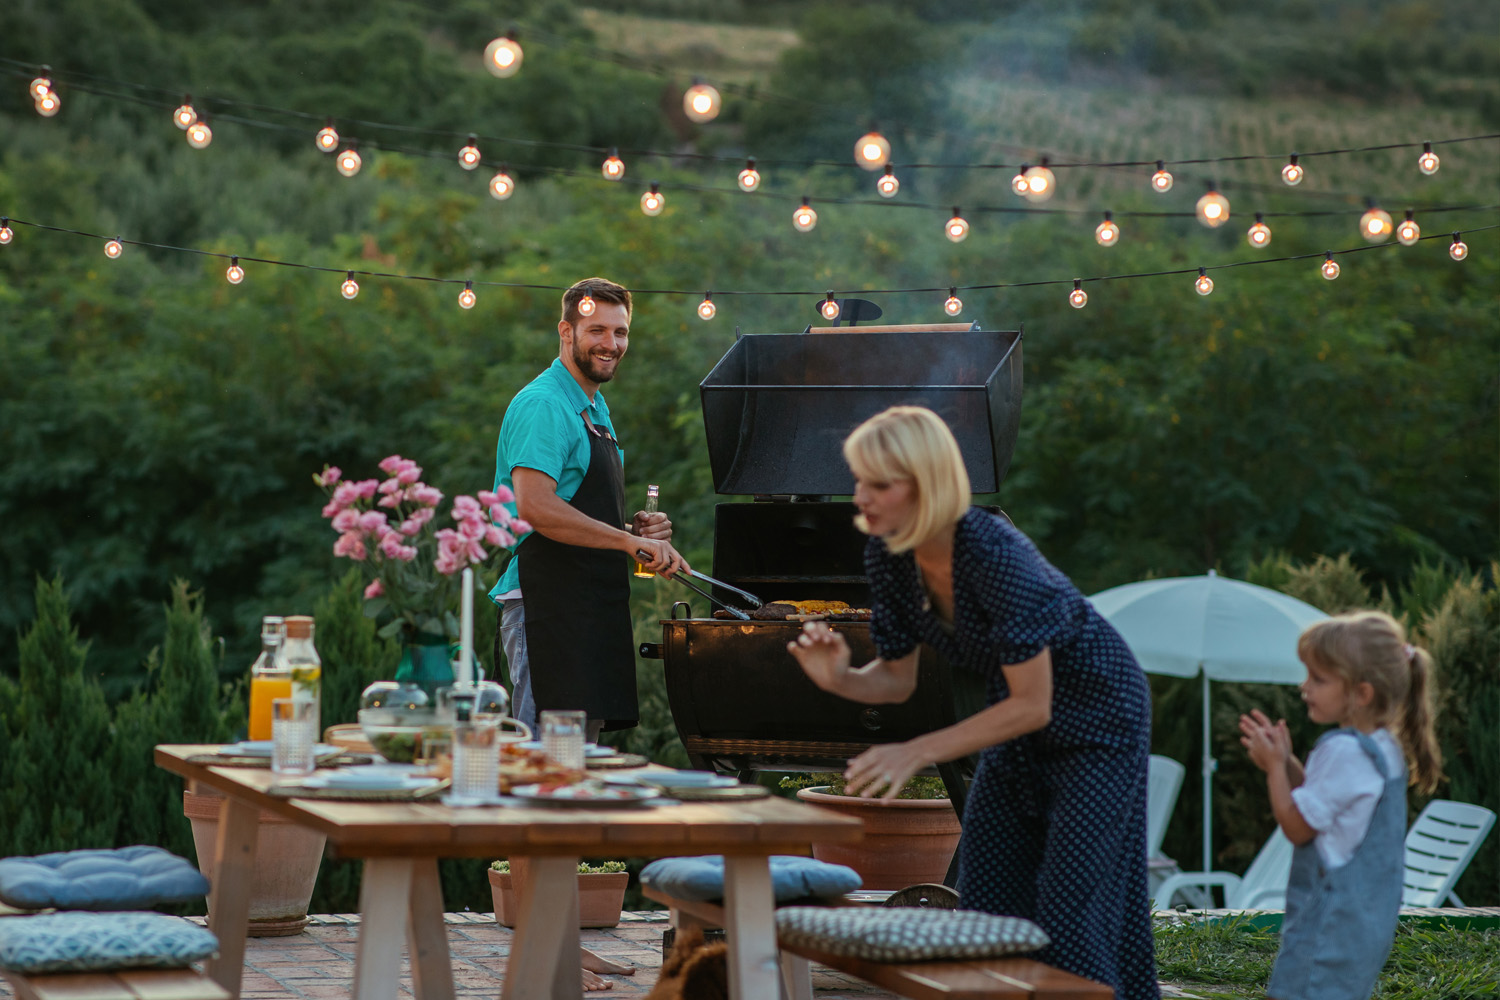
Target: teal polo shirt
543, 430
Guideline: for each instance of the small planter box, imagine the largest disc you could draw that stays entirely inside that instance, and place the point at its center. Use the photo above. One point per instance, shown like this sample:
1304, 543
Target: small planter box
601, 896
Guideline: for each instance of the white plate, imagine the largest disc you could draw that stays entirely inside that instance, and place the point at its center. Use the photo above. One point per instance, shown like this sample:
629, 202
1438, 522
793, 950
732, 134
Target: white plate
686, 779
588, 795
262, 748
349, 780
589, 749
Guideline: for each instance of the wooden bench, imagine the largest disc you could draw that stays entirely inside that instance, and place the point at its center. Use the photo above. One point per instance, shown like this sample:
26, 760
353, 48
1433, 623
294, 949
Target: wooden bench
1010, 978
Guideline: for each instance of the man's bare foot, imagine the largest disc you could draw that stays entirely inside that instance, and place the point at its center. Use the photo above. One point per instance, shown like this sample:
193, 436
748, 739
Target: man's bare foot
602, 965
593, 984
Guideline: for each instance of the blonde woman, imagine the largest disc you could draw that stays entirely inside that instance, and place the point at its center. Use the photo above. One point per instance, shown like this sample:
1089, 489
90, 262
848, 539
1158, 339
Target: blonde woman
1055, 827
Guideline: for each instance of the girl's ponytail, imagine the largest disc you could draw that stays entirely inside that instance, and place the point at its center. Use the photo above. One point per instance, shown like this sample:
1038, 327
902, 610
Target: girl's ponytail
1416, 724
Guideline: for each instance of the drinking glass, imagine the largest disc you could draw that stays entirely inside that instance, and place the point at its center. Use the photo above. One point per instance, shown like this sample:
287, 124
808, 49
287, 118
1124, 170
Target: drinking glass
562, 737
292, 732
476, 761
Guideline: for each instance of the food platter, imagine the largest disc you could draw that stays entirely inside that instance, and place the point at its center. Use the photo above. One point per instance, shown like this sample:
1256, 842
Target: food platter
586, 795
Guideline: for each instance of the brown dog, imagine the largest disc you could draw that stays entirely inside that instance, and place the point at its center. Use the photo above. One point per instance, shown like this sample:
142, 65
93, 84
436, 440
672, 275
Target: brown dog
694, 970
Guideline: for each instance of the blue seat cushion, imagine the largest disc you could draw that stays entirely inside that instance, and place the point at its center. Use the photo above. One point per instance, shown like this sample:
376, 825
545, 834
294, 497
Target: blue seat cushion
702, 878
906, 934
91, 942
127, 878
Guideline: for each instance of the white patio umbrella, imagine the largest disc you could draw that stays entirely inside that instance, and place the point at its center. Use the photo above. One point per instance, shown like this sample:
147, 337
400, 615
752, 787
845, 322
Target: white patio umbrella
1213, 627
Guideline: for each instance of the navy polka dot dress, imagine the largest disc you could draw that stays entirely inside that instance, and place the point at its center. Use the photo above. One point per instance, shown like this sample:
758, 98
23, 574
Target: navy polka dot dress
1055, 827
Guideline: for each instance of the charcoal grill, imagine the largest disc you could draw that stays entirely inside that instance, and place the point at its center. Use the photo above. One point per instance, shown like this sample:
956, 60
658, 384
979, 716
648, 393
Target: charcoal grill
776, 409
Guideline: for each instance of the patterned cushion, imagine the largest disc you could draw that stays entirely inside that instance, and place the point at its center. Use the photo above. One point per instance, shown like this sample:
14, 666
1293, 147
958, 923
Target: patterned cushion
791, 878
84, 942
906, 934
128, 878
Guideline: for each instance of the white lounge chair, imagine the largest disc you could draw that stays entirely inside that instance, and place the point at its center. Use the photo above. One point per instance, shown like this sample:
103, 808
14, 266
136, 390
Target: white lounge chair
1262, 887
1439, 846
1162, 786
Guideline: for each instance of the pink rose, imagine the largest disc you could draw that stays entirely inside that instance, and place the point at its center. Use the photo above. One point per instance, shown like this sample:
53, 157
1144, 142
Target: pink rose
427, 496
393, 501
346, 520
471, 529
499, 537
350, 544
406, 553
519, 527
465, 507
373, 522
390, 486
390, 545
365, 488
502, 494
374, 590
422, 515
345, 494
408, 527
409, 474
331, 508
391, 464
329, 476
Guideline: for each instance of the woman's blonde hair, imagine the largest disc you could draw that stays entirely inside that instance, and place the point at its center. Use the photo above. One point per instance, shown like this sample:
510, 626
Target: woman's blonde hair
1370, 647
913, 443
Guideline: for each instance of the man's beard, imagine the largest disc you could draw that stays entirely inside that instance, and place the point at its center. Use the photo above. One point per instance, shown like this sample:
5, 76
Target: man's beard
587, 365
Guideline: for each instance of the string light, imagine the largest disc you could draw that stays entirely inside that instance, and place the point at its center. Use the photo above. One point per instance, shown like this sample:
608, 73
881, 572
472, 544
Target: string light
327, 139
42, 84
348, 162
1019, 183
1078, 298
49, 104
653, 201
113, 248
957, 229
502, 185
614, 167
829, 308
468, 157
804, 218
1292, 173
199, 135
1213, 208
502, 57
1161, 181
1330, 268
467, 298
587, 305
350, 287
185, 114
1259, 234
701, 102
1428, 162
234, 274
7, 234
1408, 232
872, 151
1204, 284
1040, 183
1107, 234
1375, 224
887, 186
1458, 251
749, 178
954, 305
706, 308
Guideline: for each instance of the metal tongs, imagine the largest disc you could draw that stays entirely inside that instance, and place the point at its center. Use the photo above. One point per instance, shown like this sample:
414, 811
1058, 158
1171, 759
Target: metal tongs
681, 577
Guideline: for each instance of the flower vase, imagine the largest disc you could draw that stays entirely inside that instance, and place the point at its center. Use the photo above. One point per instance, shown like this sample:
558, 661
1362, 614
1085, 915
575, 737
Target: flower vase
426, 661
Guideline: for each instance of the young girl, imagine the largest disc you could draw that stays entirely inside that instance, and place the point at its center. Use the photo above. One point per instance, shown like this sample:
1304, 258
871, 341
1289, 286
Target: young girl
1347, 812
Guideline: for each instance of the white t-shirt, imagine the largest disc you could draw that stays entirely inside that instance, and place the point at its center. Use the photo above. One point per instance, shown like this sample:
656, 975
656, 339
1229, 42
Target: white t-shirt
1339, 791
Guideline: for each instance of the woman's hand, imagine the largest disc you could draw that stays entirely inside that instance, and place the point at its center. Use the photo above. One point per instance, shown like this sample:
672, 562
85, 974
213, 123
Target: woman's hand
823, 654
884, 770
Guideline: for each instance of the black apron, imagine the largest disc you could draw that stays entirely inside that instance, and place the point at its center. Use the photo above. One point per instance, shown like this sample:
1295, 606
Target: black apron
579, 637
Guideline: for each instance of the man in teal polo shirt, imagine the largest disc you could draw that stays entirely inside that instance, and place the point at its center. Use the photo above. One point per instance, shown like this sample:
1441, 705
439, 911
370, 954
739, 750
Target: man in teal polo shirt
564, 598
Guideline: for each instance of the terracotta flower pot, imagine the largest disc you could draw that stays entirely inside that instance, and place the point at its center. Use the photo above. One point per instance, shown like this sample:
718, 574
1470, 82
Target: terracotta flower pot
601, 896
287, 857
906, 842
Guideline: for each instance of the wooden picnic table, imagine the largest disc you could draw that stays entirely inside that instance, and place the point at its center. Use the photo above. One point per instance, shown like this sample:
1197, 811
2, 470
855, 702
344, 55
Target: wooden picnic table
401, 899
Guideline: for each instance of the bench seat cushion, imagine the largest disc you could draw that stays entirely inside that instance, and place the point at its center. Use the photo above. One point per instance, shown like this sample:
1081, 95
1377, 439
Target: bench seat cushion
127, 878
906, 934
90, 942
702, 878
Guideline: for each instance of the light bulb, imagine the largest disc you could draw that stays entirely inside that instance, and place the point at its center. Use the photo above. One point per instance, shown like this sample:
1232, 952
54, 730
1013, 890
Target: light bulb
185, 115
467, 298
1078, 298
614, 167
1204, 284
1375, 224
953, 305
1259, 234
1428, 161
872, 151
804, 218
957, 229
502, 57
350, 287
1040, 183
1213, 209
1408, 232
234, 273
1161, 181
39, 86
829, 308
1107, 234
199, 135
888, 185
348, 162
502, 186
706, 308
1330, 268
113, 249
749, 178
327, 139
468, 157
587, 305
7, 234
1292, 173
1019, 183
1458, 251
48, 104
653, 201
701, 102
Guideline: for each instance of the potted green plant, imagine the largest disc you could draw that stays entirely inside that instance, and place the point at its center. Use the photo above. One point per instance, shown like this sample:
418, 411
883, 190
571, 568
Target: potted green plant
601, 892
907, 841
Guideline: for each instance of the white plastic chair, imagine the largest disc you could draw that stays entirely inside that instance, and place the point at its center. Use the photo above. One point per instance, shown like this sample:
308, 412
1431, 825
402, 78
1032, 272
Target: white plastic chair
1439, 846
1262, 887
1163, 783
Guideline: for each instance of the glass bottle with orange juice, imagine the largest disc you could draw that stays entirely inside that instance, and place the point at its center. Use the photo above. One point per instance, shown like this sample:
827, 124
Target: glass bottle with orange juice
298, 659
266, 682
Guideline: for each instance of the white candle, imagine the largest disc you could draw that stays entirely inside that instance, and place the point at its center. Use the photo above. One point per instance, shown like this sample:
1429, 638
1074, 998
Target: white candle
466, 631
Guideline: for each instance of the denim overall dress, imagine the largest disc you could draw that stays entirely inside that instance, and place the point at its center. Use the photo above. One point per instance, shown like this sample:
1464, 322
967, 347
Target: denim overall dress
1340, 923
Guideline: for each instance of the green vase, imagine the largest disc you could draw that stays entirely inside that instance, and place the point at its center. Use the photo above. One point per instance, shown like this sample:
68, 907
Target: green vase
426, 661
